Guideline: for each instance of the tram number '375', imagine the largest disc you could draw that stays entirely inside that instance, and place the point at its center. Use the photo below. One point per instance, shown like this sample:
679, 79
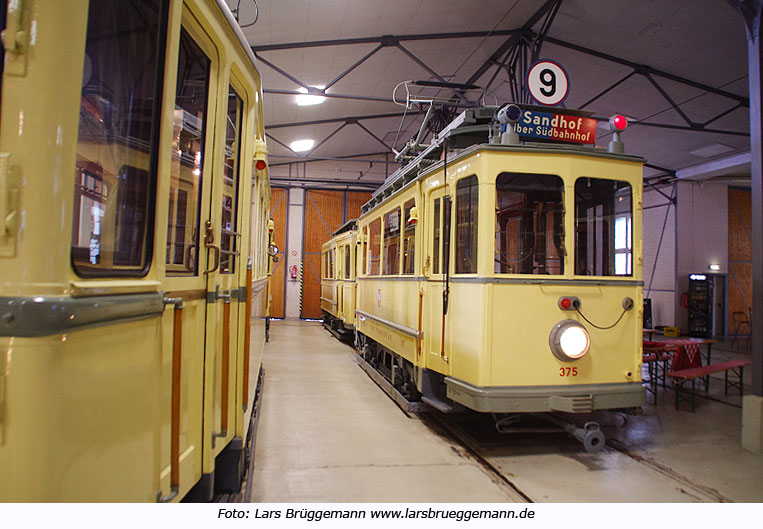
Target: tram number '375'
568, 371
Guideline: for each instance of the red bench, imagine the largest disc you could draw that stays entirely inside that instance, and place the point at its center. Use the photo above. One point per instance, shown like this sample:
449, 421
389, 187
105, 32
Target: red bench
692, 373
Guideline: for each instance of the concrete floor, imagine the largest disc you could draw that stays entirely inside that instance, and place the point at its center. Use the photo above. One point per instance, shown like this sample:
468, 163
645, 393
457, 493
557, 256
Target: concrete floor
327, 433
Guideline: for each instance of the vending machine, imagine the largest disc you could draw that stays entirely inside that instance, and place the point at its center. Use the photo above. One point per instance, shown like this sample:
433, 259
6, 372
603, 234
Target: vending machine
700, 305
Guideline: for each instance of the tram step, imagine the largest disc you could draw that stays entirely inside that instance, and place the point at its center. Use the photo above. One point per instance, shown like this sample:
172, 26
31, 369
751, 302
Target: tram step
439, 404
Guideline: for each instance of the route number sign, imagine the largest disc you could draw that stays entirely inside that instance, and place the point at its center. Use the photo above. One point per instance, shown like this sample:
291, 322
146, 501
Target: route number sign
548, 83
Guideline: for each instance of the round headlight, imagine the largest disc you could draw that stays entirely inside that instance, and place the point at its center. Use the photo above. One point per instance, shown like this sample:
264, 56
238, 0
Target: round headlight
569, 340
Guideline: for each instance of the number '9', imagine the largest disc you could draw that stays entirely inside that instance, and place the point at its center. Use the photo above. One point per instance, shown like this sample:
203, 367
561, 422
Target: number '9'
548, 79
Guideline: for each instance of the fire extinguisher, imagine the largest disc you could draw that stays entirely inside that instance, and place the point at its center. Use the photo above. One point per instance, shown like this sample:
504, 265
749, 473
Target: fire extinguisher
293, 271
685, 300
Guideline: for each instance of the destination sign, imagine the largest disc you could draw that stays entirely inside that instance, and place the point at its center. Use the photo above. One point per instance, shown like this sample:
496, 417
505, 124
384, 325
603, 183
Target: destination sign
556, 127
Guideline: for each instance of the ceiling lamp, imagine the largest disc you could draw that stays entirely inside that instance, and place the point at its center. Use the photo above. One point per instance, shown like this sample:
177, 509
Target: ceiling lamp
309, 98
301, 145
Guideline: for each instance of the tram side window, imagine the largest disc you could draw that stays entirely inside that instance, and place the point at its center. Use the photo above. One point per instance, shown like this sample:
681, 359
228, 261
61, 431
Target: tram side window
467, 206
229, 227
409, 238
364, 251
603, 227
391, 242
374, 247
331, 264
115, 179
436, 222
188, 157
347, 262
529, 224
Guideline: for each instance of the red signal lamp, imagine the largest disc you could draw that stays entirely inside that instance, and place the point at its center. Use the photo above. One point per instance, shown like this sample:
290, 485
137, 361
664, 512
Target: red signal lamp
568, 303
260, 165
618, 123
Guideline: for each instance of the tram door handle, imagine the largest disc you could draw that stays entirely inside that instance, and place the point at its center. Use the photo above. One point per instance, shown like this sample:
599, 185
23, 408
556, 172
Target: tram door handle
209, 239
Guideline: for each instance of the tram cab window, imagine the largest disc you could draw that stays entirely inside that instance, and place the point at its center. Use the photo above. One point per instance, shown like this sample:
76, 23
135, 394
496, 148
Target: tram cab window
409, 238
603, 227
391, 262
467, 206
229, 227
374, 247
331, 264
187, 158
529, 224
115, 178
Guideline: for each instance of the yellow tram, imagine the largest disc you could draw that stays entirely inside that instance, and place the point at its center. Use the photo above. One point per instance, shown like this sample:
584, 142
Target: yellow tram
133, 244
338, 286
505, 275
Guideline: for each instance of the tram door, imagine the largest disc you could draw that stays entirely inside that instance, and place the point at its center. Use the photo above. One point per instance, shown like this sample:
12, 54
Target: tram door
191, 266
437, 244
226, 272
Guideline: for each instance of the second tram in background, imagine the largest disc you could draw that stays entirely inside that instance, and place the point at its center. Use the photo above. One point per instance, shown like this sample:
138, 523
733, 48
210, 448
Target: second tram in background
505, 275
338, 286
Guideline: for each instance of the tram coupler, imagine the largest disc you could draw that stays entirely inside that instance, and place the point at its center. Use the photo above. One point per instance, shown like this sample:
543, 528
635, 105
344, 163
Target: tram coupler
590, 434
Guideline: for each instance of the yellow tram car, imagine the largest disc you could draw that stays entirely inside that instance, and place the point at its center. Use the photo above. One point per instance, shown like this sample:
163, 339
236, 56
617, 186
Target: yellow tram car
505, 276
133, 244
338, 286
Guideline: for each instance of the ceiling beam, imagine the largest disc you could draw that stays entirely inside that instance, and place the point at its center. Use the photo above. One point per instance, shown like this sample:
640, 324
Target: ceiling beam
644, 70
498, 56
382, 39
735, 164
513, 40
324, 94
339, 120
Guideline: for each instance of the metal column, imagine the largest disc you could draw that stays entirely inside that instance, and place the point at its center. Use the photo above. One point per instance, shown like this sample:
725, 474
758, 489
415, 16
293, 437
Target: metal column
751, 10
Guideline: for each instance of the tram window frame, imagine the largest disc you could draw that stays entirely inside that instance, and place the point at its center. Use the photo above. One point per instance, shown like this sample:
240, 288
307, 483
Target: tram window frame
129, 208
3, 14
436, 231
363, 251
374, 239
408, 237
229, 236
600, 212
467, 225
521, 208
347, 263
391, 243
190, 130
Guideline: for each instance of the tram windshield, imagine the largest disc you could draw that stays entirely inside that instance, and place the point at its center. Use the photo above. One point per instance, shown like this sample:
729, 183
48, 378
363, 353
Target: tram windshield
529, 227
603, 227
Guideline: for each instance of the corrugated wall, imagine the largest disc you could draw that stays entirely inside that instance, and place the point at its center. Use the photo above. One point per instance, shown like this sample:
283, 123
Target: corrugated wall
659, 234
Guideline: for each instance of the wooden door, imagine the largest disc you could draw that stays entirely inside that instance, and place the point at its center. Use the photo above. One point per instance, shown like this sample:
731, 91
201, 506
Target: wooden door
740, 254
279, 200
325, 212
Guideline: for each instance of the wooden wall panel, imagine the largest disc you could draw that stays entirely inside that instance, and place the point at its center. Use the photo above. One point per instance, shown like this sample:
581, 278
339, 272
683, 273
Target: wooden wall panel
740, 252
323, 215
355, 199
325, 212
279, 200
